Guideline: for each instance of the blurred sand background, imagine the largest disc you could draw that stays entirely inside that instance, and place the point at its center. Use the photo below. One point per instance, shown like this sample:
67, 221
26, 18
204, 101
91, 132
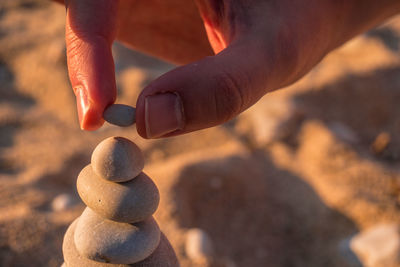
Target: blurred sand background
284, 184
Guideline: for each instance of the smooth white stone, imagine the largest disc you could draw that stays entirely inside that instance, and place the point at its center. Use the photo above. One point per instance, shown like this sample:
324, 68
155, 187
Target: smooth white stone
198, 245
378, 246
62, 202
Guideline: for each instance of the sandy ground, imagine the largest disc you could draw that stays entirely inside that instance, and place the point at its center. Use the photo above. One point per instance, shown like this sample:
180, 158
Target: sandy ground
281, 185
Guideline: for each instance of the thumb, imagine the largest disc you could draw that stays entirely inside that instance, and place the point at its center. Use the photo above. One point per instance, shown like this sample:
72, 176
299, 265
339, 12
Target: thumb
203, 94
90, 31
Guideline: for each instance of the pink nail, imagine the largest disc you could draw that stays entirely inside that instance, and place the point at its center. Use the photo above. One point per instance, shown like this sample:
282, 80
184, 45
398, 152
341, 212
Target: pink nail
82, 104
163, 114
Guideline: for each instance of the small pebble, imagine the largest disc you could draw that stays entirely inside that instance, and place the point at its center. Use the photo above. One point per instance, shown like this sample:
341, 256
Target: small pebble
104, 240
130, 202
378, 246
117, 159
62, 202
120, 115
198, 245
163, 256
382, 141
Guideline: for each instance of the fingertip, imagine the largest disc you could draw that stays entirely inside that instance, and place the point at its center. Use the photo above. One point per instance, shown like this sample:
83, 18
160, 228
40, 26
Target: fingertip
91, 121
161, 115
140, 115
90, 113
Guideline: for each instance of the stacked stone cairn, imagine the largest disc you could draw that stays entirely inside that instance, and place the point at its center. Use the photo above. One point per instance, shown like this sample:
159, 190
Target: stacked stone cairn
117, 228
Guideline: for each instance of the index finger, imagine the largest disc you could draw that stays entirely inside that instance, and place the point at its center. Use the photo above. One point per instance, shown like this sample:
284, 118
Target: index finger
90, 31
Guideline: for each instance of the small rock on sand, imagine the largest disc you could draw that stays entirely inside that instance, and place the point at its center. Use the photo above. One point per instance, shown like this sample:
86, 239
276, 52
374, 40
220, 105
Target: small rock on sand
62, 202
381, 142
198, 245
378, 246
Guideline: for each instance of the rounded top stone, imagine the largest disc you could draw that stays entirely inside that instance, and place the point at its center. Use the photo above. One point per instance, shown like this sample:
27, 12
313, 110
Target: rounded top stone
117, 159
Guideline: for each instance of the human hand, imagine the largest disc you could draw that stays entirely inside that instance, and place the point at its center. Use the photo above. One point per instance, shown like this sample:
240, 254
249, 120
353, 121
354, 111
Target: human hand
260, 46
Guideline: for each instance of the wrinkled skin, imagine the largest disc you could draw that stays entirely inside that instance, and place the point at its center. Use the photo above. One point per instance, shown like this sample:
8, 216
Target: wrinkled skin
235, 50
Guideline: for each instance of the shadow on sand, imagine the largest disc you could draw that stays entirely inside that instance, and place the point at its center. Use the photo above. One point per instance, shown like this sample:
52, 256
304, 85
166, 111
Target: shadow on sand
10, 125
367, 104
260, 215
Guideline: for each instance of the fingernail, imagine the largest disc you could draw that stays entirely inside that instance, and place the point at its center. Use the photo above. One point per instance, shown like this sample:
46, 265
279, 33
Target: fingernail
82, 104
163, 114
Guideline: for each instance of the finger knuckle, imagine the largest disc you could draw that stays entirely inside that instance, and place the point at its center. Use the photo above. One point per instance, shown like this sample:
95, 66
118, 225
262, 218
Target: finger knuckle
229, 97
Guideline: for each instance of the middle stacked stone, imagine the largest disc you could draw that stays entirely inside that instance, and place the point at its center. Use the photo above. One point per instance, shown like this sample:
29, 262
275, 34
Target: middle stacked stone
117, 226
